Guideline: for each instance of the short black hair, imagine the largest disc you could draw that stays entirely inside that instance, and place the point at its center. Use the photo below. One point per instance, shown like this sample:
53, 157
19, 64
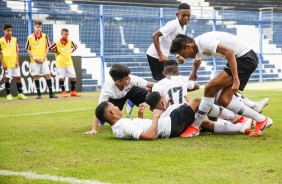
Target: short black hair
179, 43
152, 99
119, 71
100, 111
7, 26
183, 6
170, 67
38, 22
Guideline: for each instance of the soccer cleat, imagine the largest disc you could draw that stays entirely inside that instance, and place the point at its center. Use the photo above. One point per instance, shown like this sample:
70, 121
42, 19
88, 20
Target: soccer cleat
246, 126
74, 94
39, 97
190, 132
52, 95
260, 126
128, 108
260, 105
64, 94
9, 97
21, 96
241, 119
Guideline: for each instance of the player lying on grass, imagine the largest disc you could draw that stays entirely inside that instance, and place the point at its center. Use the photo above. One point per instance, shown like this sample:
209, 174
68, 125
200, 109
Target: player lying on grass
242, 62
164, 124
120, 87
174, 89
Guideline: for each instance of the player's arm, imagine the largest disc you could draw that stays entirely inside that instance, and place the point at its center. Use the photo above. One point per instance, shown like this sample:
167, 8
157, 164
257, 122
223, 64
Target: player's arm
180, 59
156, 36
1, 57
196, 65
18, 57
151, 133
196, 87
231, 59
53, 48
141, 109
150, 85
74, 46
27, 47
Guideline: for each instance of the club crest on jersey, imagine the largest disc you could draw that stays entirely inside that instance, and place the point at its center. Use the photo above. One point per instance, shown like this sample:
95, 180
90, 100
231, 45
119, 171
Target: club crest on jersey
10, 46
207, 53
37, 43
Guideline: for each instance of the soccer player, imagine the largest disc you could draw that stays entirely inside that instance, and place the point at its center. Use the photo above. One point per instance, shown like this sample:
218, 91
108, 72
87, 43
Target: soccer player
63, 49
158, 52
242, 62
120, 87
9, 57
37, 46
167, 124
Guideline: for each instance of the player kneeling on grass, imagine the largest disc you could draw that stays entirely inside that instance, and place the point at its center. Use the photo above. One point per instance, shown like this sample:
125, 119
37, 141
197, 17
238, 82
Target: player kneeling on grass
165, 124
9, 57
63, 49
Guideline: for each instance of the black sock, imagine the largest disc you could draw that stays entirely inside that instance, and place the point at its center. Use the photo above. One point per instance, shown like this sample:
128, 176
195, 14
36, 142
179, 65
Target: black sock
7, 87
73, 83
37, 85
49, 84
62, 86
20, 87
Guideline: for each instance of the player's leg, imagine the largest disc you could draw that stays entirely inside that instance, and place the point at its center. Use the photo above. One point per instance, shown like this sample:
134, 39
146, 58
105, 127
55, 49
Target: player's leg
17, 74
35, 71
219, 111
128, 108
156, 67
257, 106
46, 72
7, 76
61, 73
136, 95
72, 75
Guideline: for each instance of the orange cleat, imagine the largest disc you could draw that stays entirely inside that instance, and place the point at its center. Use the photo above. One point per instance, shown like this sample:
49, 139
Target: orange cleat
74, 94
260, 126
64, 94
242, 119
190, 132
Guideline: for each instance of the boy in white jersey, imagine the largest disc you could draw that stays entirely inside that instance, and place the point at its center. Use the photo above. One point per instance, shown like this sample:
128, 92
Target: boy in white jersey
63, 49
242, 62
167, 124
121, 87
158, 52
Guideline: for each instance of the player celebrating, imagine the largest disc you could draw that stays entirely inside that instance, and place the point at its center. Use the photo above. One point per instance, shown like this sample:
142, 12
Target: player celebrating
37, 45
63, 49
9, 57
242, 61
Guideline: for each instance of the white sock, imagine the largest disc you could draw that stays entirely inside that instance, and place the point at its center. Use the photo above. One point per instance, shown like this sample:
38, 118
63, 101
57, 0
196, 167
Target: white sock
219, 111
224, 127
247, 101
205, 106
238, 107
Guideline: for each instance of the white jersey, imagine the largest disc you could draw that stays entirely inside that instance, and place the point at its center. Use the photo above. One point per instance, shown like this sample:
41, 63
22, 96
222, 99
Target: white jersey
207, 44
169, 32
174, 88
110, 90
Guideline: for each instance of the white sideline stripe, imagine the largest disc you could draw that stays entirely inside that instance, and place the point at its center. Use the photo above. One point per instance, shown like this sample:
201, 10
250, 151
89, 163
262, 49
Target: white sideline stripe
40, 113
32, 175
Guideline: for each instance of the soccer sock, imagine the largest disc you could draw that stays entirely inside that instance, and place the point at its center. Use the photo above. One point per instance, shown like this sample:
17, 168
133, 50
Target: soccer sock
7, 87
37, 85
73, 84
49, 84
218, 111
247, 101
222, 126
238, 107
20, 87
205, 106
62, 86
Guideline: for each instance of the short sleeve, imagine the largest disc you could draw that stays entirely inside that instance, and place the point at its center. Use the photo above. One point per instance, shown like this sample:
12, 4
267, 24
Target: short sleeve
169, 28
138, 81
104, 96
207, 43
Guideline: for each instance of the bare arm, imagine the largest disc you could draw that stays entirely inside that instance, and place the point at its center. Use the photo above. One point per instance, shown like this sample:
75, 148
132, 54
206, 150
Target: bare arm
94, 126
2, 62
196, 65
156, 36
152, 132
150, 85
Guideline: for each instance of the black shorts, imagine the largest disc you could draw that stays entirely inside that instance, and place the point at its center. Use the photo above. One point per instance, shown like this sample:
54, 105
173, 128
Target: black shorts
246, 65
136, 94
181, 118
156, 67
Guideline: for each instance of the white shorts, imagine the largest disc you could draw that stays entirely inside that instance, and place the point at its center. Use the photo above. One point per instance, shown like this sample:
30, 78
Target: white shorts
12, 72
63, 72
37, 69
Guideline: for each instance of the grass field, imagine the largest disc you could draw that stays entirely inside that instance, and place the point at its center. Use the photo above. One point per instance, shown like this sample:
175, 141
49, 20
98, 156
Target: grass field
53, 143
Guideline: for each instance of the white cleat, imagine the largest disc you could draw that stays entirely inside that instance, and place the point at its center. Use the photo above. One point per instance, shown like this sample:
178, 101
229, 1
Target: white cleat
246, 126
260, 105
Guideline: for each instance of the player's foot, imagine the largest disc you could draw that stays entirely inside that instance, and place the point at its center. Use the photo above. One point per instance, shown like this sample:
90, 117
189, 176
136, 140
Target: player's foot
9, 97
246, 126
268, 124
190, 132
260, 105
21, 96
260, 126
39, 97
74, 94
52, 95
241, 119
128, 108
64, 94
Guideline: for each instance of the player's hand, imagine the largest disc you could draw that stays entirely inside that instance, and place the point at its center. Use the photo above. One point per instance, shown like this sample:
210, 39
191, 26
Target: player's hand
157, 113
162, 58
180, 59
17, 64
90, 132
142, 107
235, 86
4, 67
193, 76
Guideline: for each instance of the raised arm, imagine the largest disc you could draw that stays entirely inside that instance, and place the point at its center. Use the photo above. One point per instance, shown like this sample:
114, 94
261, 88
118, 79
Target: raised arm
152, 131
196, 65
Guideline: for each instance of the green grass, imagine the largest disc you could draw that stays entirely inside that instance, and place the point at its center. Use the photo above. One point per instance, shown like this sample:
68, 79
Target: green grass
54, 144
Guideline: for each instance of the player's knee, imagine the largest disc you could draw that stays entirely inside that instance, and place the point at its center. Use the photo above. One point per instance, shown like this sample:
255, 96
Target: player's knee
223, 101
197, 101
210, 89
